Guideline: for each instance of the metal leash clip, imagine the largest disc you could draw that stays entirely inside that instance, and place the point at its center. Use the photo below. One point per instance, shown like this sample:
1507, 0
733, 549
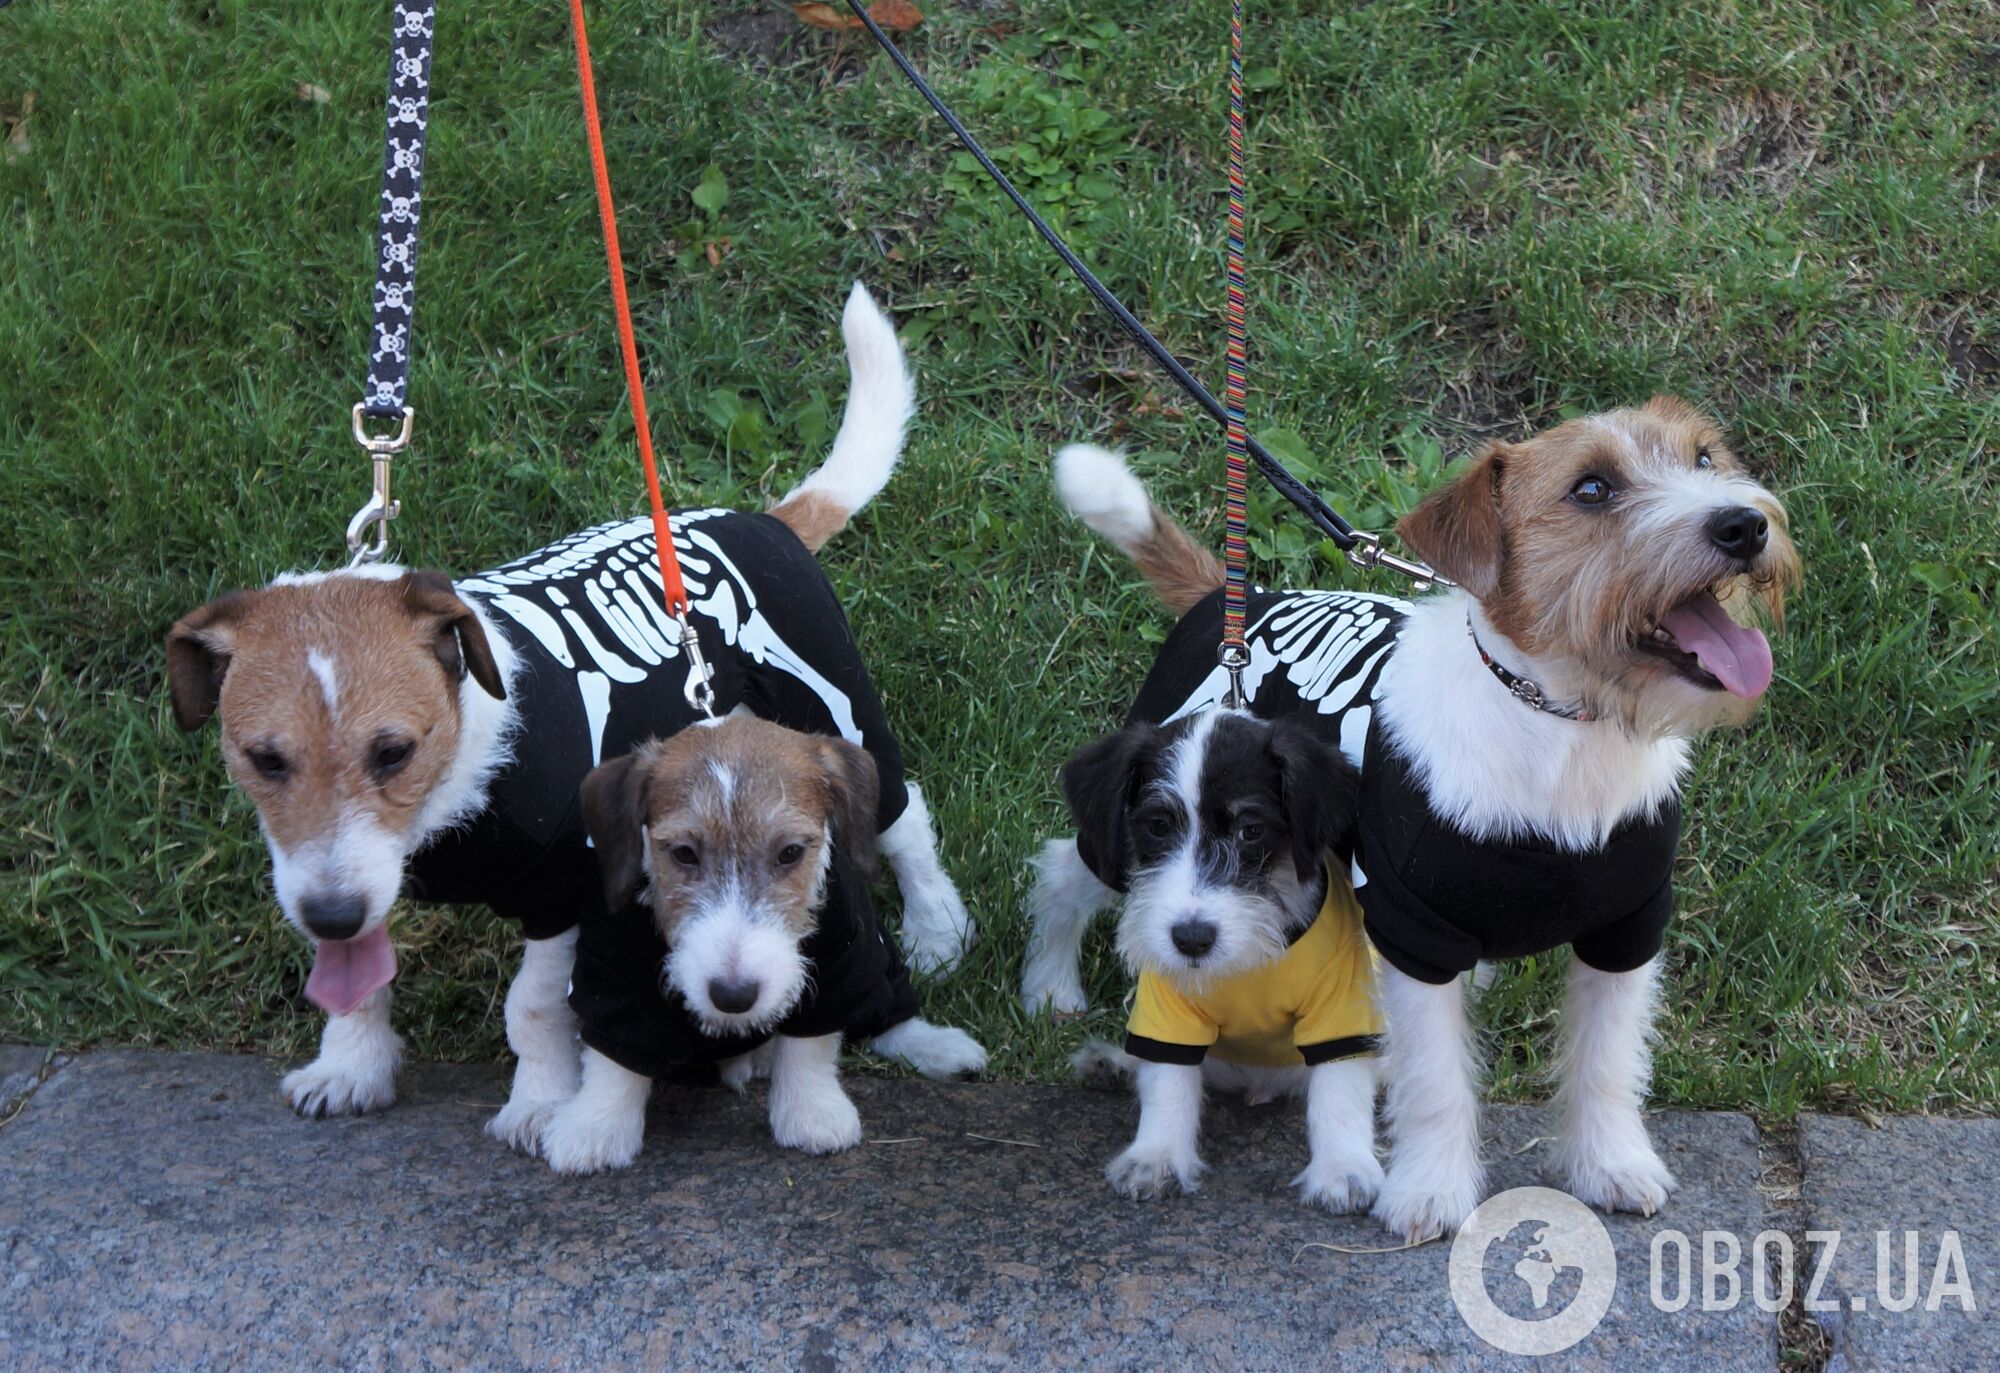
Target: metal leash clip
380, 509
701, 681
1234, 658
1367, 555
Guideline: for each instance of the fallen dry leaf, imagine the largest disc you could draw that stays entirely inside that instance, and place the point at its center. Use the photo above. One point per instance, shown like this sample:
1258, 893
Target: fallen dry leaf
897, 16
311, 94
825, 17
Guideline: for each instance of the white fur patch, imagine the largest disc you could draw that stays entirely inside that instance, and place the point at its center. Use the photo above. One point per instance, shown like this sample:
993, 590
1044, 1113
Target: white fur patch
1097, 487
881, 399
321, 667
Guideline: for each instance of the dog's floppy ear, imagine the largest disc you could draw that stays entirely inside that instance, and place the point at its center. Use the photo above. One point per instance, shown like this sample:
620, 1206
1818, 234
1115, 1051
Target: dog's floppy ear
460, 640
614, 807
198, 652
1456, 529
1098, 782
853, 787
1320, 792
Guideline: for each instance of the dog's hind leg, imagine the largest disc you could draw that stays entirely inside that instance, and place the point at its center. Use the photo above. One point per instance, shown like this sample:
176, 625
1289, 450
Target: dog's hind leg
936, 1051
1343, 1173
1065, 898
936, 928
541, 1030
1435, 1175
355, 1072
1603, 1155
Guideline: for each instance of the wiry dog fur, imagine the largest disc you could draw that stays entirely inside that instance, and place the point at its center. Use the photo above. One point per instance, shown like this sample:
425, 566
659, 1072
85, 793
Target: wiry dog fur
366, 710
1571, 550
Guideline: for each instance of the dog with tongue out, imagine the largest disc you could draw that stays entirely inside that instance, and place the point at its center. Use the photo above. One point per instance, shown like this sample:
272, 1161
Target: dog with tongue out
1521, 736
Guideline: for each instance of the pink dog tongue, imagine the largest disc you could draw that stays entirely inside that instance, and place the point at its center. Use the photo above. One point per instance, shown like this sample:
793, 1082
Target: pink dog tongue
346, 972
1739, 658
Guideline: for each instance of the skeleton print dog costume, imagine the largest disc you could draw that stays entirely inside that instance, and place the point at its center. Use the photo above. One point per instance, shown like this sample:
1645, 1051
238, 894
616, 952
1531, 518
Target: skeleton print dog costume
1436, 901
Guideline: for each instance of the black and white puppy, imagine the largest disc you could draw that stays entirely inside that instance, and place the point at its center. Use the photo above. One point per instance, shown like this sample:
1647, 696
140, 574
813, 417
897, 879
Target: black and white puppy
1522, 740
1218, 828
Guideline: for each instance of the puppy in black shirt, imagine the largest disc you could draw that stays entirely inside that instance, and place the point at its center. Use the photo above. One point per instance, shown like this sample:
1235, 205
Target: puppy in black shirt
746, 845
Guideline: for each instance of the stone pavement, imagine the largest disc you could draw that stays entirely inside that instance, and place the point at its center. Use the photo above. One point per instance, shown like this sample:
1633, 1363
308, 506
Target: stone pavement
167, 1212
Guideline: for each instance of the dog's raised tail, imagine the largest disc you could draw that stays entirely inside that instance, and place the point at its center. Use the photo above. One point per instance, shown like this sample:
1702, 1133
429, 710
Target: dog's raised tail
1099, 489
881, 398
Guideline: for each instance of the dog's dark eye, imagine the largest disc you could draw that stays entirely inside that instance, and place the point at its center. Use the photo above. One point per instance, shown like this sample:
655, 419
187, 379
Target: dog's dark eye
1702, 459
685, 854
790, 854
1250, 834
268, 762
1158, 824
1591, 490
391, 755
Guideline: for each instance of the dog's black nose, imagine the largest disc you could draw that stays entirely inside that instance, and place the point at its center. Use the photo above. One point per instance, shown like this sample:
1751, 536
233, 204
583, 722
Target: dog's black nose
1193, 937
732, 998
334, 915
1739, 532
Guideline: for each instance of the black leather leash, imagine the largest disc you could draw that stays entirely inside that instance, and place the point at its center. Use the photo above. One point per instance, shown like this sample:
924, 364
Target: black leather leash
1363, 549
394, 335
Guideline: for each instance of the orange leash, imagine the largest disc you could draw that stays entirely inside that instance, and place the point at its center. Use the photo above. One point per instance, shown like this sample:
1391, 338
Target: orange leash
670, 568
700, 690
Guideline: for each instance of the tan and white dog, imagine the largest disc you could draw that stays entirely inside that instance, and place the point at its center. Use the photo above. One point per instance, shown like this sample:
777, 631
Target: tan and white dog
404, 734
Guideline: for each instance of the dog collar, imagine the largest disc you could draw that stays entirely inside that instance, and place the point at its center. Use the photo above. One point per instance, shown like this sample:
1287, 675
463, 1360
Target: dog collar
1520, 687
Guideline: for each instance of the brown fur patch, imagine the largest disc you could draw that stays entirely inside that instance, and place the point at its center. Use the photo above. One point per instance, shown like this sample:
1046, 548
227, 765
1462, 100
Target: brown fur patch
1181, 571
812, 515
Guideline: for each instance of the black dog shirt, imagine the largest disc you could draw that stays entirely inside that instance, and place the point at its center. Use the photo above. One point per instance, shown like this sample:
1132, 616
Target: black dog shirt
857, 985
601, 671
1436, 900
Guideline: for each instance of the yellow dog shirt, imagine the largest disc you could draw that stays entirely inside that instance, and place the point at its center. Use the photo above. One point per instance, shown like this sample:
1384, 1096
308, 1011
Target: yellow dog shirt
1314, 1005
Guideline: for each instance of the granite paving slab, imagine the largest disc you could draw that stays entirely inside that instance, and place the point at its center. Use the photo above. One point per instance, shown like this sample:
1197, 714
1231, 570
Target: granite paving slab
167, 1211
1875, 1188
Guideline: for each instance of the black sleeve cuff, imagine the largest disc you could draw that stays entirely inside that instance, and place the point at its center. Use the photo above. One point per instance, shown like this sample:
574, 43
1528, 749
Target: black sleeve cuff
1159, 1051
1334, 1050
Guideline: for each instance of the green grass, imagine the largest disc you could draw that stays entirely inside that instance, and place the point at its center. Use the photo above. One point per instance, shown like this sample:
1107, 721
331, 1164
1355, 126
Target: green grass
1469, 219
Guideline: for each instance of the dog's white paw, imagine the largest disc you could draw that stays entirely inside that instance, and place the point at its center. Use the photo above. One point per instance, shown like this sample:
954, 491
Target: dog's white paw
588, 1141
936, 1051
1145, 1173
1058, 993
1341, 1185
1102, 1063
339, 1088
519, 1124
1635, 1180
820, 1122
1417, 1211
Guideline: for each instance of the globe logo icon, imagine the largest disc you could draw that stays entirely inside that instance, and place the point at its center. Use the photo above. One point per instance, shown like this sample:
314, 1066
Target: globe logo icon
1533, 1271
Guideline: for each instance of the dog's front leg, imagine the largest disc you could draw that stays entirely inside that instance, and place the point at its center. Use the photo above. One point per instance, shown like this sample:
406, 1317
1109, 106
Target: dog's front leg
809, 1110
1603, 1155
1435, 1176
936, 928
602, 1125
541, 1030
355, 1072
1165, 1149
1061, 904
1343, 1173
936, 1051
